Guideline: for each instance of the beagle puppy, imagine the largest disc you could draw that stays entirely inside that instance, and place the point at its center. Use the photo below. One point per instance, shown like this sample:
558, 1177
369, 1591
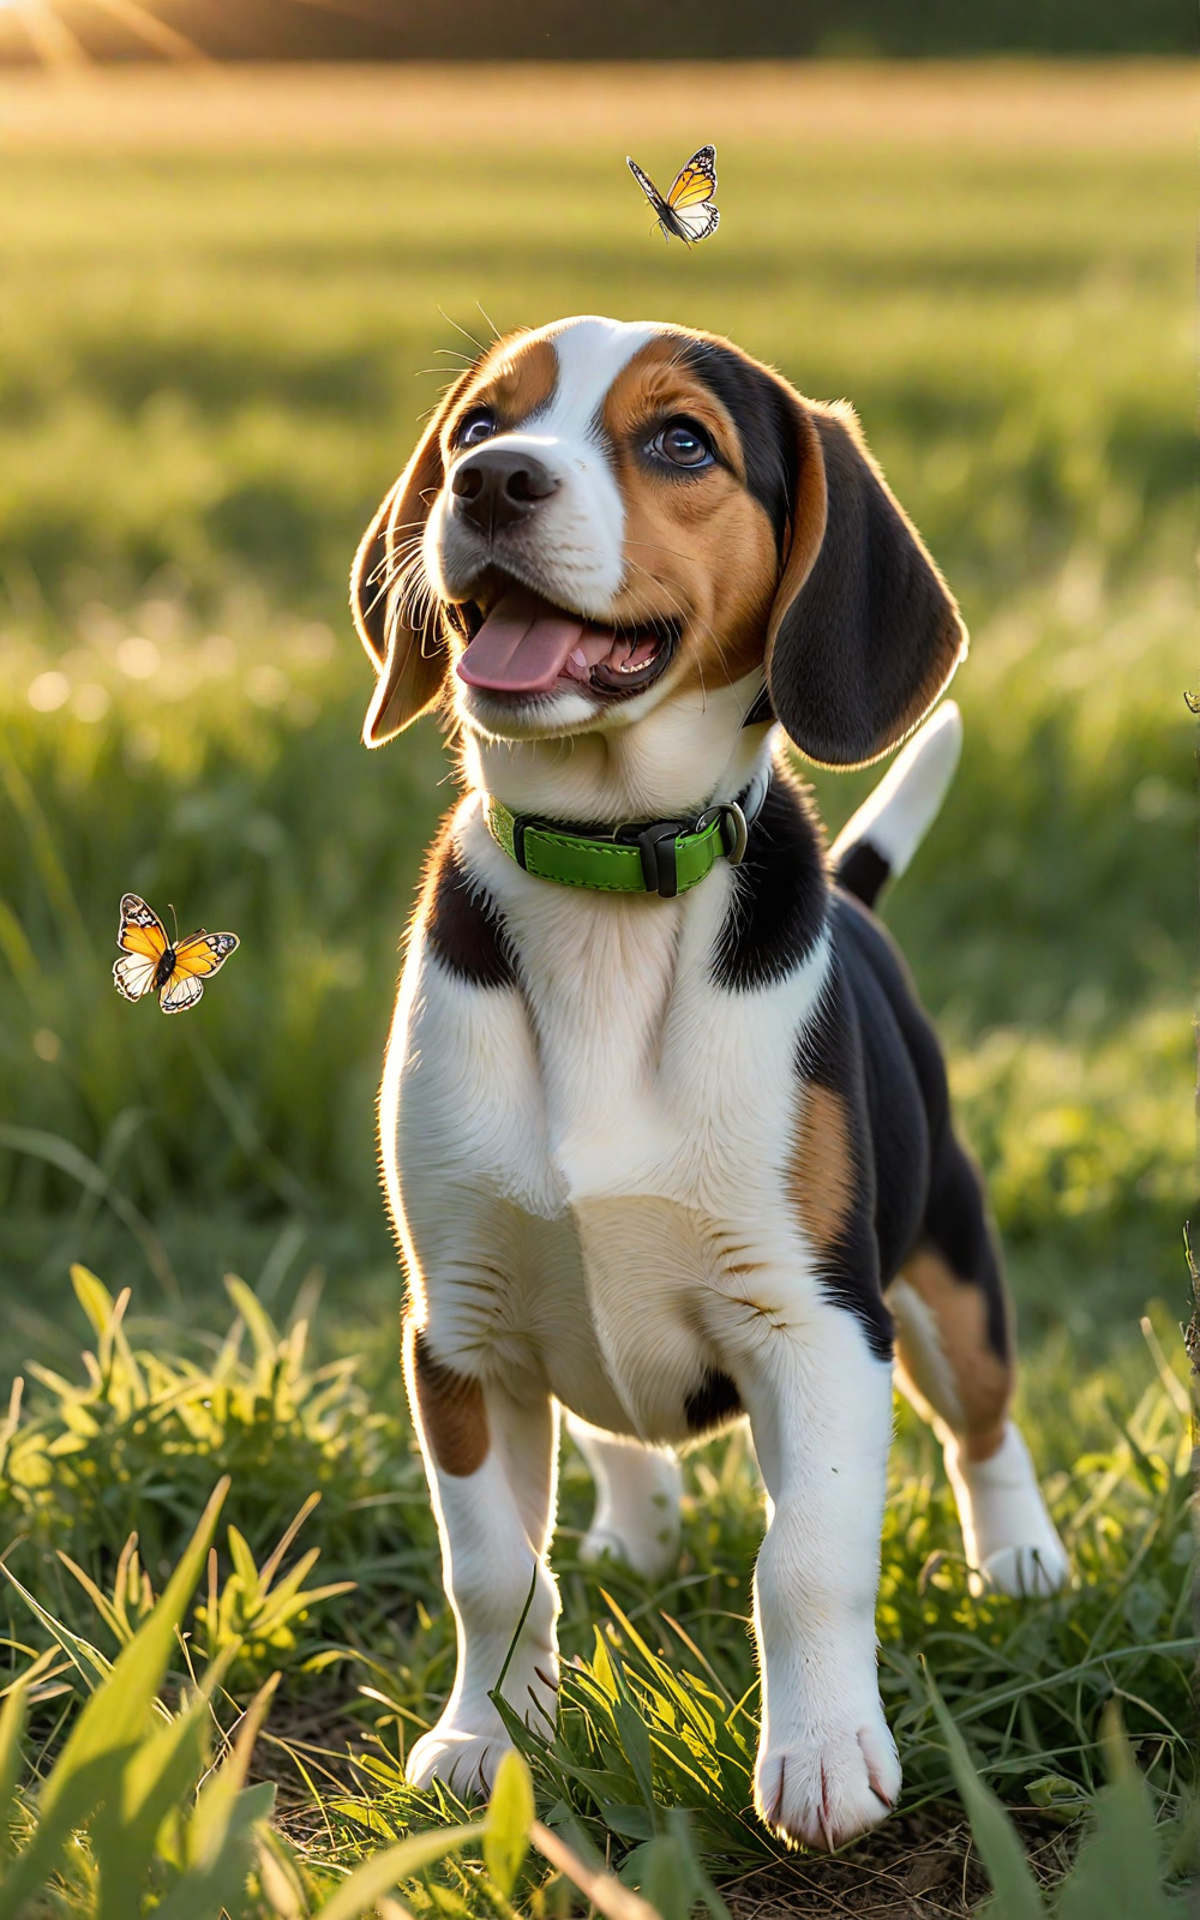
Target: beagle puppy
665, 1130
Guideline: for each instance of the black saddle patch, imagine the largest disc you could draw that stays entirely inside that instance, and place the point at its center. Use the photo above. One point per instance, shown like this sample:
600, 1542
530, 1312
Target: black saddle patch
780, 898
713, 1403
832, 1054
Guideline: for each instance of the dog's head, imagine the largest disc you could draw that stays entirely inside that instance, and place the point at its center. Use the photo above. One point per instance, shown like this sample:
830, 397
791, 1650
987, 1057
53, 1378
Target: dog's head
601, 516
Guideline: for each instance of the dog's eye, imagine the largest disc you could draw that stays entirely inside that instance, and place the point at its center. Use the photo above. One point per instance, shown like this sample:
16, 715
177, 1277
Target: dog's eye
681, 443
475, 428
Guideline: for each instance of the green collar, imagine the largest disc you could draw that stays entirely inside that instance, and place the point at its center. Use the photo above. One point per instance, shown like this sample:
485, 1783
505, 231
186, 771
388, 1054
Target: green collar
666, 857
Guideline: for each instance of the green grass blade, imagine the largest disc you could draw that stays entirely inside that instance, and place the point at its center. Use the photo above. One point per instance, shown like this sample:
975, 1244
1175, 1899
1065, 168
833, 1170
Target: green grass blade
509, 1818
1119, 1870
263, 1334
218, 1840
995, 1835
632, 1731
244, 1567
215, 1883
380, 1874
110, 1725
703, 1891
155, 1779
671, 1877
214, 1808
95, 1299
603, 1890
103, 1605
12, 1726
88, 1661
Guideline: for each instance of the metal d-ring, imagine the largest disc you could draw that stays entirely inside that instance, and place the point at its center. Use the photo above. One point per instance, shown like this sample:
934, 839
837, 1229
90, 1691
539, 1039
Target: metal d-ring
735, 818
735, 831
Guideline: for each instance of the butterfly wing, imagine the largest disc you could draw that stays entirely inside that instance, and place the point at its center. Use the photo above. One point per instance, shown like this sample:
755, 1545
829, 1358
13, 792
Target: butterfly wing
648, 187
696, 223
181, 991
196, 959
696, 181
142, 936
690, 202
134, 975
140, 930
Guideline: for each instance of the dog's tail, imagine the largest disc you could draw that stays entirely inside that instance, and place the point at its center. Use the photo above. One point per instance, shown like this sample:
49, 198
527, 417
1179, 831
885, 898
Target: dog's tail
879, 841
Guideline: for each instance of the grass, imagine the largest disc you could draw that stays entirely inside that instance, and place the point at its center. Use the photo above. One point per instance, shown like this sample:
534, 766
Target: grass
215, 318
657, 1709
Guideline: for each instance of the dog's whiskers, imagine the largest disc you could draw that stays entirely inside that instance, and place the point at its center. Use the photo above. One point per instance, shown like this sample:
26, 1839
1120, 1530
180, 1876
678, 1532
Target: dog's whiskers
479, 346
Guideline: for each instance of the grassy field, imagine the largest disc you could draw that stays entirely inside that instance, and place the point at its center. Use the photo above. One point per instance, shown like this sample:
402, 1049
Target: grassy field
226, 305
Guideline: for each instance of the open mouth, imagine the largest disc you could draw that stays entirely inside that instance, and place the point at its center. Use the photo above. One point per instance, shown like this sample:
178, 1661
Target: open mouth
524, 646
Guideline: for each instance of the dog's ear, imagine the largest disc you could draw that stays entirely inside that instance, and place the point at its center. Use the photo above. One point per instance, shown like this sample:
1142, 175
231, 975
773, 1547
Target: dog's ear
864, 632
399, 627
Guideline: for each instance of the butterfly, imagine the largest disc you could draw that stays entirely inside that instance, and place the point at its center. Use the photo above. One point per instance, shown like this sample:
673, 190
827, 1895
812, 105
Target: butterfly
688, 211
152, 964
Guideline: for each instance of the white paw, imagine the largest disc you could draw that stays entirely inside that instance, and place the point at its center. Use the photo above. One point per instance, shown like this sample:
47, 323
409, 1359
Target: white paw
464, 1762
469, 1741
825, 1789
649, 1554
1010, 1540
1025, 1572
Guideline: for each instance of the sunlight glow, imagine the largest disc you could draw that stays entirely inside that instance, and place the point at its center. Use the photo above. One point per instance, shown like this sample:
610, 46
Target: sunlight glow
56, 45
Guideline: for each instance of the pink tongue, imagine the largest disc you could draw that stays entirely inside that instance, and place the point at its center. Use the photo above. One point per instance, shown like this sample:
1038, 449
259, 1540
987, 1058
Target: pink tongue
524, 645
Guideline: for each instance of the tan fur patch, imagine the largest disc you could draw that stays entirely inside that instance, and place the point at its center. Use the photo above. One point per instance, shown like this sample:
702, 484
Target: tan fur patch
701, 546
517, 377
982, 1382
821, 1177
453, 1414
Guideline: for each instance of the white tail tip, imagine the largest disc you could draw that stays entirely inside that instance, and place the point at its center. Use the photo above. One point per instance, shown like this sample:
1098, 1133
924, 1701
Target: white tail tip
895, 818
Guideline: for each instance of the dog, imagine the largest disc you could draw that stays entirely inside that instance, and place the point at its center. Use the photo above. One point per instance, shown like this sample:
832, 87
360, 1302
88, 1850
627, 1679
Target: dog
665, 1131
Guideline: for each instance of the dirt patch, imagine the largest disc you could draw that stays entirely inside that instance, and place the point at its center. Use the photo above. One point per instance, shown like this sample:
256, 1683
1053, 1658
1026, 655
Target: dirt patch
916, 1868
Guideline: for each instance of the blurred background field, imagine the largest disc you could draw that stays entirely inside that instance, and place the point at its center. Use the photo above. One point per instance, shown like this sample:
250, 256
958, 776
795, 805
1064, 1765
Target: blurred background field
216, 347
228, 301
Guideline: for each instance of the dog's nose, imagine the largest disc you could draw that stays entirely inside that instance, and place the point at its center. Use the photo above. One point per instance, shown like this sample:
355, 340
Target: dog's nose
498, 486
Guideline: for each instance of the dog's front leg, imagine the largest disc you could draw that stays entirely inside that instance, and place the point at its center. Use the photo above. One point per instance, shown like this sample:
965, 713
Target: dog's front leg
820, 1407
491, 1456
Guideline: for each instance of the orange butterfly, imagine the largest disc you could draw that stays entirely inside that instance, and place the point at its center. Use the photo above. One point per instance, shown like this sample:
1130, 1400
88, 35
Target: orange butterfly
687, 211
177, 973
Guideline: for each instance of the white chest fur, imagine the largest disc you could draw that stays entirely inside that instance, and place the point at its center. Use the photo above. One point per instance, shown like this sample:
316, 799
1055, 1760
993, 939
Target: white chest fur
586, 1171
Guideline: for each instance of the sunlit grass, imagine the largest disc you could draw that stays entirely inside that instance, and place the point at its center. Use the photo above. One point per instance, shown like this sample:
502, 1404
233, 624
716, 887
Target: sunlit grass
659, 1707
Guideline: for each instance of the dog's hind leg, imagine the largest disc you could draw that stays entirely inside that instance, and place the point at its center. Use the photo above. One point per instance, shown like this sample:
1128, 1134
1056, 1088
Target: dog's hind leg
956, 1366
636, 1520
491, 1456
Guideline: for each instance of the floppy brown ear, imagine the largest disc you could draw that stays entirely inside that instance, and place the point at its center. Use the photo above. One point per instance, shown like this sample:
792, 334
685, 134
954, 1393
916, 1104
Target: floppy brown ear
864, 632
402, 631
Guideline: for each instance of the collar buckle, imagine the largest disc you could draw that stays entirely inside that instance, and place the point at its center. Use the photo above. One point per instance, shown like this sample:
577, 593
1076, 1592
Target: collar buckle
519, 823
658, 846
